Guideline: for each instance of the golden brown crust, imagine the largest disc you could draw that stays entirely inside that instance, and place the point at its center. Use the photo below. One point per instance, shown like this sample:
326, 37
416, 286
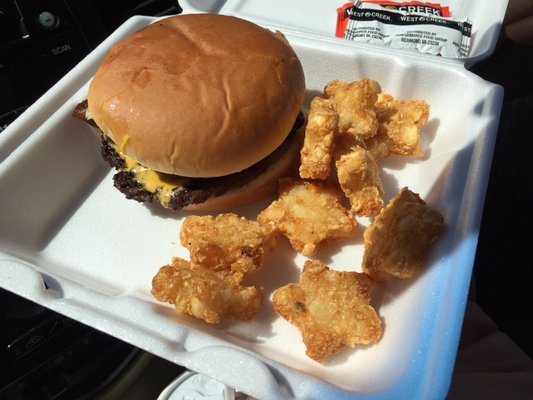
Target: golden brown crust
331, 309
198, 95
205, 294
398, 241
309, 213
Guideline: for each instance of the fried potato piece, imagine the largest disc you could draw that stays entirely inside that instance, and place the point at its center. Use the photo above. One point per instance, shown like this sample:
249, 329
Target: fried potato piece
226, 242
309, 213
205, 294
358, 176
331, 309
399, 124
320, 132
355, 102
398, 240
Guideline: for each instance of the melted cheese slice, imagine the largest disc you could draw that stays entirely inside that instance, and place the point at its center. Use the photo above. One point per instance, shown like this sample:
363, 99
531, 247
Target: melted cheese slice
156, 182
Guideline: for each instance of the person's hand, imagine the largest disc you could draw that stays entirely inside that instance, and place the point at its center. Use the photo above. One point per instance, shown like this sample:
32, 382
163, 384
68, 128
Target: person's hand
489, 364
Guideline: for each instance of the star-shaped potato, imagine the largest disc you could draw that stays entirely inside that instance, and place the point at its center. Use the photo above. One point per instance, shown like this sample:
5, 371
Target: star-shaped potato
358, 176
309, 213
398, 240
331, 309
227, 242
320, 133
399, 124
205, 294
355, 103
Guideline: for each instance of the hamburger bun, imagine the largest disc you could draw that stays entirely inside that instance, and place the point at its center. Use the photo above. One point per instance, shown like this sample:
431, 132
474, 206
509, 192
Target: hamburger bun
198, 95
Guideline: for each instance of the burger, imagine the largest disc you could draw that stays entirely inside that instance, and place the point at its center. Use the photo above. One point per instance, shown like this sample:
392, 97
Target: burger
198, 112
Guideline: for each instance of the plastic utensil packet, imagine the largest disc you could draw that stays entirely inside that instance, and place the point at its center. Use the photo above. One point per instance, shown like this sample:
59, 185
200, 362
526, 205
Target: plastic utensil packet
412, 25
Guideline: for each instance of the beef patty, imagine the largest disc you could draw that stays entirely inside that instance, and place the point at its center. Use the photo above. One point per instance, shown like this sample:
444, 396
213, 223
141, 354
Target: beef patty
192, 190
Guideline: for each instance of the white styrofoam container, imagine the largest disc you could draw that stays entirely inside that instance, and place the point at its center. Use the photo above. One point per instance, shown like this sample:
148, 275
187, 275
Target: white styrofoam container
71, 242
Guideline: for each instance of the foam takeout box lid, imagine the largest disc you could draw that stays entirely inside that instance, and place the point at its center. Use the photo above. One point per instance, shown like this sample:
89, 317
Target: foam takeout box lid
319, 18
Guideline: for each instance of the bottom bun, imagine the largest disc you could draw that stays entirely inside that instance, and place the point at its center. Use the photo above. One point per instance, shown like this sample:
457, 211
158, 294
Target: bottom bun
260, 187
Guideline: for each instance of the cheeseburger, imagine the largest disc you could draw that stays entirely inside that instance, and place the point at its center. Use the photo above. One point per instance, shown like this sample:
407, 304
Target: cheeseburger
198, 112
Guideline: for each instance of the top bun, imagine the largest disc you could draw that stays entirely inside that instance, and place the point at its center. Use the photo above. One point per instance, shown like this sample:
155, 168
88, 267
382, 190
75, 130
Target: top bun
198, 95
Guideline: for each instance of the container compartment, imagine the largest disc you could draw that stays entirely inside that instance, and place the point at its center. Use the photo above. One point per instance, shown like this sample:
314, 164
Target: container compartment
61, 216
